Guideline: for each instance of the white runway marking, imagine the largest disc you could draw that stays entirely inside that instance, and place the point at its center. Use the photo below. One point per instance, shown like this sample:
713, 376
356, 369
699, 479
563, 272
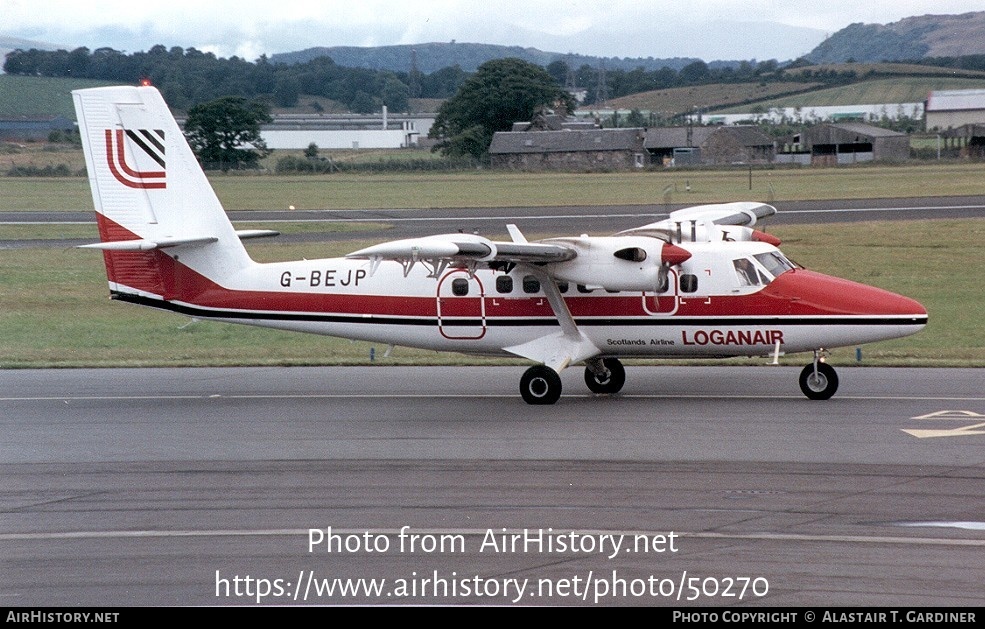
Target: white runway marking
779, 537
399, 219
453, 396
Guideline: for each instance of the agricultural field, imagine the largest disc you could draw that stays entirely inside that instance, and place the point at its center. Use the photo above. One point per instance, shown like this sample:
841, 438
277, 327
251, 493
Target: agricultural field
40, 96
872, 70
669, 102
872, 92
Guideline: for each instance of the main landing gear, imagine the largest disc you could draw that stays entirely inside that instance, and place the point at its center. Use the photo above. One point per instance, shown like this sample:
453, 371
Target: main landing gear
542, 385
606, 375
818, 380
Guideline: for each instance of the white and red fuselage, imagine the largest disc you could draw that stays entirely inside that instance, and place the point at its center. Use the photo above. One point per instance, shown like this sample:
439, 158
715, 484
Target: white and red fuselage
484, 311
701, 283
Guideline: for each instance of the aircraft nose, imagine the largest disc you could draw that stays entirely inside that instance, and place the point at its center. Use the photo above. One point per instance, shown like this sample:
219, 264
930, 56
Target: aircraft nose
819, 293
869, 300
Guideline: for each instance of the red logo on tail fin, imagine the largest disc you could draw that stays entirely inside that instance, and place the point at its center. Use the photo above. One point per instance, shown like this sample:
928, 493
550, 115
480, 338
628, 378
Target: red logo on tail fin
150, 142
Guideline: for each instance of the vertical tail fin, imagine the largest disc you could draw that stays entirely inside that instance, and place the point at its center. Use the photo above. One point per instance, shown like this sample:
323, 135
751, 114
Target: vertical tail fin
150, 194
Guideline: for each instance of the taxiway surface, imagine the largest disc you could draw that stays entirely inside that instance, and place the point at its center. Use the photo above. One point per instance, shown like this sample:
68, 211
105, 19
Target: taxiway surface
491, 222
696, 486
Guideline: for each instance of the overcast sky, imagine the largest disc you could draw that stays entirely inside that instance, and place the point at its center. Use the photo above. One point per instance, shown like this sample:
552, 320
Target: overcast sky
707, 29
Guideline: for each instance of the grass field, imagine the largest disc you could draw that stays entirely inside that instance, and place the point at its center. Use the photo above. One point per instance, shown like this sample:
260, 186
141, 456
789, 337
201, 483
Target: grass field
40, 96
54, 309
499, 189
683, 99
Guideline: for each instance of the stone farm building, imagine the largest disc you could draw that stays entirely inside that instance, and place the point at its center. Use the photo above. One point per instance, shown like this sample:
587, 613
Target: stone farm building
709, 145
571, 150
852, 143
580, 149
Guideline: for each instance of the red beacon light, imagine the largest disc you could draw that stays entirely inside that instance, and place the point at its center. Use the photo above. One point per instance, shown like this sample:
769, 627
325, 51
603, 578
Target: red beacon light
145, 82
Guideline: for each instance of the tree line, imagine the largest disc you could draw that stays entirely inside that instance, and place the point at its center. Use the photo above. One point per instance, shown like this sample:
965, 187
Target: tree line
187, 76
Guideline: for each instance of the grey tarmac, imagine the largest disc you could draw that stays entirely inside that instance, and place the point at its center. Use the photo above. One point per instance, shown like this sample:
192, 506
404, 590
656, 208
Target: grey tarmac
202, 487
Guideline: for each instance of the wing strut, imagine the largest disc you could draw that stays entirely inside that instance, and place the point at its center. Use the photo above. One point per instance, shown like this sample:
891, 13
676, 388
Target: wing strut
560, 349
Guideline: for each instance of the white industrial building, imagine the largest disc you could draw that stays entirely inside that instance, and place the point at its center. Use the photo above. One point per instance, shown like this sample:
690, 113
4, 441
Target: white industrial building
346, 131
950, 109
832, 113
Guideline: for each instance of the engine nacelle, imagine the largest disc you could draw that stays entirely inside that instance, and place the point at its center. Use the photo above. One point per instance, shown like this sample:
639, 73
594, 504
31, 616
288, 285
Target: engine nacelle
627, 263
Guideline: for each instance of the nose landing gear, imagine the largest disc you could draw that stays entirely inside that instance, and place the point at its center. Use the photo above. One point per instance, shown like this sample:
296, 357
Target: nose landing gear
818, 381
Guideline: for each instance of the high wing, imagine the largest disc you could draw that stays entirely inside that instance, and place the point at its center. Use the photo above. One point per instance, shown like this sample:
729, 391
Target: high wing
633, 260
701, 221
437, 252
563, 258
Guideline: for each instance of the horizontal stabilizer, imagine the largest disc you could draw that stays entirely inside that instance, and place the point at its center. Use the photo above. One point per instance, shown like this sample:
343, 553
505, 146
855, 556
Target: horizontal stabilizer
148, 245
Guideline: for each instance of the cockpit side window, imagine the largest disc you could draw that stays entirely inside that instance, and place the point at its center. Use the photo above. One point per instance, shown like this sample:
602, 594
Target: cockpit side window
747, 273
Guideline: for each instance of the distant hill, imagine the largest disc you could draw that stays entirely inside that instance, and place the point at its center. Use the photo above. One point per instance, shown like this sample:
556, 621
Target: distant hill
909, 39
10, 44
435, 56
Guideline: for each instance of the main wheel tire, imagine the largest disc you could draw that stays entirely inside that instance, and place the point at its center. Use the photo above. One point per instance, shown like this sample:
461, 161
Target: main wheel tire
819, 386
612, 383
540, 385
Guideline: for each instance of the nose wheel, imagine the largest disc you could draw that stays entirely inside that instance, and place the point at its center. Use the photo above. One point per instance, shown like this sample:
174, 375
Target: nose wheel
818, 381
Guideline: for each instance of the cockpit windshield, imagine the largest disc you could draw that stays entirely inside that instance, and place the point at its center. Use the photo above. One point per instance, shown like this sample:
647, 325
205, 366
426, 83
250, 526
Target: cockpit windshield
770, 266
775, 263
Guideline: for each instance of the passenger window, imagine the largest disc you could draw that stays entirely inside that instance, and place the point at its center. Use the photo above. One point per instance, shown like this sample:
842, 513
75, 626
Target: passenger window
584, 289
504, 284
562, 286
460, 287
689, 283
530, 284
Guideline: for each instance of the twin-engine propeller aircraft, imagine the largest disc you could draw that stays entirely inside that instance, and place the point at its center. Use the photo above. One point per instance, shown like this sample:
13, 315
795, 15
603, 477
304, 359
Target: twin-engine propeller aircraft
702, 283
